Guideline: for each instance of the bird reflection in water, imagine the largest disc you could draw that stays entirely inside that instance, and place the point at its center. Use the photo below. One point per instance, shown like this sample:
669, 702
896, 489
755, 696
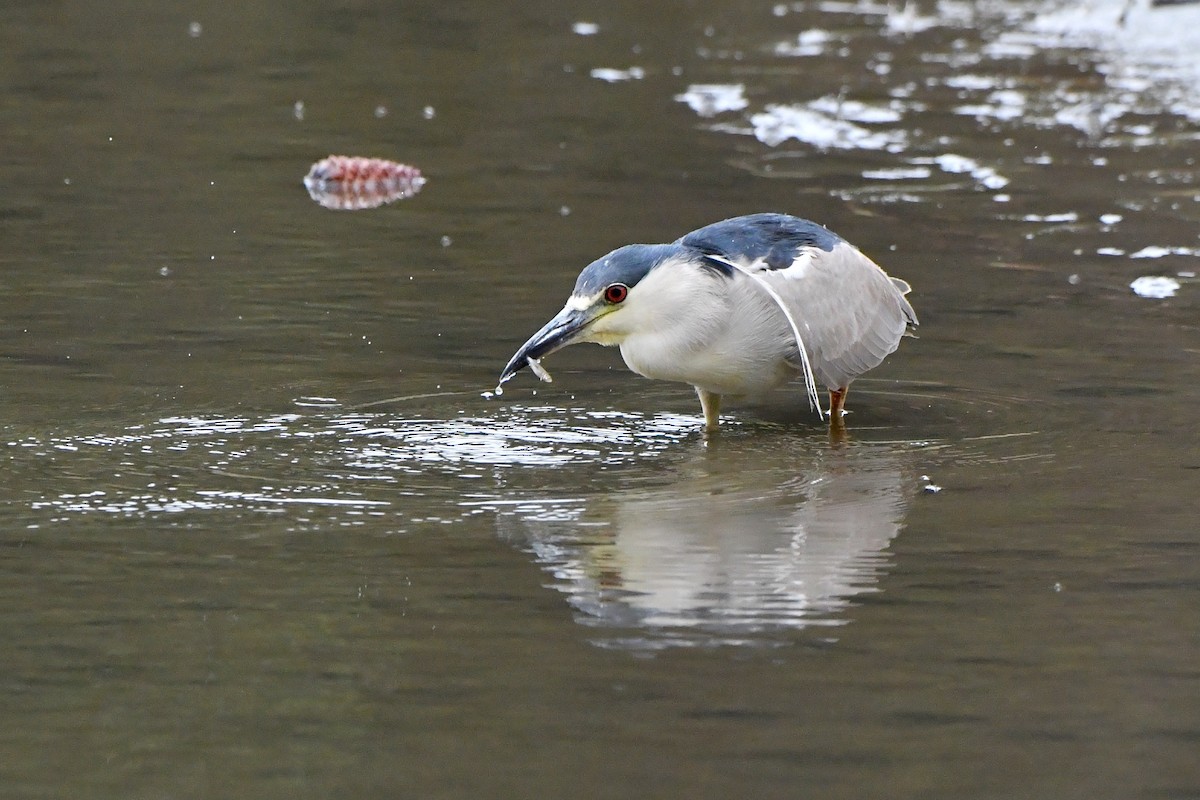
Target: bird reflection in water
735, 547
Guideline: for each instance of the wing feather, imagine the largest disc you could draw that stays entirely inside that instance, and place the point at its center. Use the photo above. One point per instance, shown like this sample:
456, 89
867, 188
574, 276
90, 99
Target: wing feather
845, 312
853, 313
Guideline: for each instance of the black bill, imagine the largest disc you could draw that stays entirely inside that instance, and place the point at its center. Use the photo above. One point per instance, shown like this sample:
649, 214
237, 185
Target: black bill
554, 335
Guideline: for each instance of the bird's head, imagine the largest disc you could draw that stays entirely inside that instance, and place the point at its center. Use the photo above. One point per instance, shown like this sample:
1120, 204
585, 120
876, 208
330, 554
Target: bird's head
610, 302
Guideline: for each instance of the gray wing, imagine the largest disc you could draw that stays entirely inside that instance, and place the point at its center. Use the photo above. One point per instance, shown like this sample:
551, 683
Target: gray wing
850, 312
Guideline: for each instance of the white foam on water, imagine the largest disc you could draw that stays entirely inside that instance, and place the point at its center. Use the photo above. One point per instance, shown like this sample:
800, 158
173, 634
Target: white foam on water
1155, 287
710, 99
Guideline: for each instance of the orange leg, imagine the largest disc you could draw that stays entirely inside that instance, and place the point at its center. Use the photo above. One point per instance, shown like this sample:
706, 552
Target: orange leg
837, 401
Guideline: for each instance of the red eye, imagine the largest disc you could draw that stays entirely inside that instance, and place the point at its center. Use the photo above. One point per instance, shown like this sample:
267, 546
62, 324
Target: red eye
616, 293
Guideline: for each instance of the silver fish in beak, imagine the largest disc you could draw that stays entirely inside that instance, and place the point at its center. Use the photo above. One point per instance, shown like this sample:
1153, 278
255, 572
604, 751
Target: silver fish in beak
556, 334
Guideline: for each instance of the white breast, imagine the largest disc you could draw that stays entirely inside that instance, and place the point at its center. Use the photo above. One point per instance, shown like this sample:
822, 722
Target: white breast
729, 340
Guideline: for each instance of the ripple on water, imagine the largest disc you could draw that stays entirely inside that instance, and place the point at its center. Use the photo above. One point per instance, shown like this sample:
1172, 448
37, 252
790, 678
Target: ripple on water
1139, 58
654, 535
351, 463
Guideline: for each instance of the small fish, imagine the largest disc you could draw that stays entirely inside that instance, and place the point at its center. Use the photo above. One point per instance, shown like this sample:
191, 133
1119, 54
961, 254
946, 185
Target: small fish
536, 367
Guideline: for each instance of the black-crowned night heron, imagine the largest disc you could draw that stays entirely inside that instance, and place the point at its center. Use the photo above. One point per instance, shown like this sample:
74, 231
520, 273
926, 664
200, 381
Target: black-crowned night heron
736, 308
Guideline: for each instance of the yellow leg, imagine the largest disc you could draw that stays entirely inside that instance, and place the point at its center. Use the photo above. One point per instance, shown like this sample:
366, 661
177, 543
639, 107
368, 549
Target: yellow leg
710, 403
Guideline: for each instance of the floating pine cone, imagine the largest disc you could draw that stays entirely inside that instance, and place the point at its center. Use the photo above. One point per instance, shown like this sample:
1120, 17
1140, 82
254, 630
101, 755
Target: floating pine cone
350, 183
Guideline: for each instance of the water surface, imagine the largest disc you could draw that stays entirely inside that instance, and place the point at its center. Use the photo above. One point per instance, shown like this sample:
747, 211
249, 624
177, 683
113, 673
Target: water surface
264, 535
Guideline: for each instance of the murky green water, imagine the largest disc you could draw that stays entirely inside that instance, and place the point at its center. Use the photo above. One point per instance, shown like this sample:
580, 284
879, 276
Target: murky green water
262, 535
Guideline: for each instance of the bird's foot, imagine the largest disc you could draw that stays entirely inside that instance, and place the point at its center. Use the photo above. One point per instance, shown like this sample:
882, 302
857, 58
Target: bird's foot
837, 402
710, 403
